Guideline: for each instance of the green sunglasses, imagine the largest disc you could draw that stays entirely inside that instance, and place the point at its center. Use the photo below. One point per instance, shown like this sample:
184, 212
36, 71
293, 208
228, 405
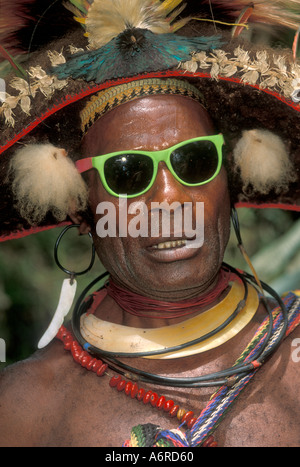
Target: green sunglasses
131, 173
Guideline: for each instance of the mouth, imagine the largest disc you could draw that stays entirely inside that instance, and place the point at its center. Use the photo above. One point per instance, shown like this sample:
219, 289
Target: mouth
171, 250
169, 245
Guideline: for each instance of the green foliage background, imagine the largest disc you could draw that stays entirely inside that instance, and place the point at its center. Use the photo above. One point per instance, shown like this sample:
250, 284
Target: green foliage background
30, 281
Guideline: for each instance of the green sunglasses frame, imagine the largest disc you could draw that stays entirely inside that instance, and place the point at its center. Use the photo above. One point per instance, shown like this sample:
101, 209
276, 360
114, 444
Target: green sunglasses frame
164, 155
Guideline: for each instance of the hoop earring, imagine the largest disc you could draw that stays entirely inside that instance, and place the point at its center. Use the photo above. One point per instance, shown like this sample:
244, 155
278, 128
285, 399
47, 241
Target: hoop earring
67, 294
72, 274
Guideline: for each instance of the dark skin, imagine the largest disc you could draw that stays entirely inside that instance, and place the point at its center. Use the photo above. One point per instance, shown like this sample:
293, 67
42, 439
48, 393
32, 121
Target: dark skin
49, 400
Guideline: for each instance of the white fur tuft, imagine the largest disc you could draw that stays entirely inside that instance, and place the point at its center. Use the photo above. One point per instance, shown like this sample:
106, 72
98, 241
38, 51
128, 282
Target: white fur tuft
263, 162
45, 180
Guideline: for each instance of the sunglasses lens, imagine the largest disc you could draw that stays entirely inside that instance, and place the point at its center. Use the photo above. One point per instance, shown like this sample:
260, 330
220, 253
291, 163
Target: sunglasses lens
128, 174
195, 162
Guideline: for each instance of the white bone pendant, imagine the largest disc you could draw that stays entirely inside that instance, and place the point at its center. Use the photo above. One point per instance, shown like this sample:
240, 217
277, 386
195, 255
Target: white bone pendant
66, 299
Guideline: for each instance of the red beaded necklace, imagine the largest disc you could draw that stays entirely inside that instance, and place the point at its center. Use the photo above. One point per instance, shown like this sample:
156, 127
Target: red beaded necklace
130, 388
146, 307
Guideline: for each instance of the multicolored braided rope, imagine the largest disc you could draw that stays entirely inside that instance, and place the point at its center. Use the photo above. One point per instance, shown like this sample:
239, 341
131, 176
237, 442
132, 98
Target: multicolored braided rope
223, 399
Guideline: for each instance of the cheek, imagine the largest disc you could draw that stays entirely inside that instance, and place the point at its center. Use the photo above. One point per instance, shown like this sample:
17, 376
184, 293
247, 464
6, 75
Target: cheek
112, 250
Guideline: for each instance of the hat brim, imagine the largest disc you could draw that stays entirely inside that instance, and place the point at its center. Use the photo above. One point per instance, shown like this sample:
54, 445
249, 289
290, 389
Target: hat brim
221, 87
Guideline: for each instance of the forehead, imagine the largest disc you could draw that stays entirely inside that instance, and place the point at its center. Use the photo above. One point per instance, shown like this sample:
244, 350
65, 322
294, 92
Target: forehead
148, 123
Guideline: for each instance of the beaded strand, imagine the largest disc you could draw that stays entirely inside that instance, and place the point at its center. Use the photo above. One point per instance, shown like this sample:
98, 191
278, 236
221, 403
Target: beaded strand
131, 389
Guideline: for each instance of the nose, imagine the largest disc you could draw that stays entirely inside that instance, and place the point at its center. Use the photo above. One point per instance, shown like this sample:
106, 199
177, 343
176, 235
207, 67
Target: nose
167, 189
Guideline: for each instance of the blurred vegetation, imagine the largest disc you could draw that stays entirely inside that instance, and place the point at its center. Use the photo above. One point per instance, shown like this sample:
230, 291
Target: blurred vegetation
272, 240
30, 284
30, 281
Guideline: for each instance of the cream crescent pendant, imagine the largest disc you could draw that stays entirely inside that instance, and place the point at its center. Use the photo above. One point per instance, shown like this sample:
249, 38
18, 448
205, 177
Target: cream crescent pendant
116, 338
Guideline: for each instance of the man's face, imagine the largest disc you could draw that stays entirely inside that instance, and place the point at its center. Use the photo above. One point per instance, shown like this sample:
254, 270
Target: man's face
153, 124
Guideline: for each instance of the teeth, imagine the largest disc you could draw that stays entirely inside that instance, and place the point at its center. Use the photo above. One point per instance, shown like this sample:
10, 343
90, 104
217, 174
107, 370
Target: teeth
173, 244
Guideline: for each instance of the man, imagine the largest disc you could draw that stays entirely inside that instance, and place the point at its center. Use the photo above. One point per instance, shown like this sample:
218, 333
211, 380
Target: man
49, 400
52, 399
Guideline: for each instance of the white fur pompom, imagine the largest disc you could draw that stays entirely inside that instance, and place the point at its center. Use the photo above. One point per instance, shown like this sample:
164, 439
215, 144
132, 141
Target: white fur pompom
263, 162
45, 180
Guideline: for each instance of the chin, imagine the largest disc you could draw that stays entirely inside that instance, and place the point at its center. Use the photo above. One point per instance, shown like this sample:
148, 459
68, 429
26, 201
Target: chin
180, 279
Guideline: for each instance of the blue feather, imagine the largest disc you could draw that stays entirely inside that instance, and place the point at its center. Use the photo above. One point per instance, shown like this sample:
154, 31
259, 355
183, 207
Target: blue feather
132, 52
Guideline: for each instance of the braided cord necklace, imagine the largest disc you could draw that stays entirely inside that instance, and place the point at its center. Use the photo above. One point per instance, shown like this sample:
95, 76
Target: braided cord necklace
199, 429
221, 401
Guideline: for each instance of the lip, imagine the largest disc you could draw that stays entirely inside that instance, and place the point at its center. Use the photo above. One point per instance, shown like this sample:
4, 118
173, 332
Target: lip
168, 255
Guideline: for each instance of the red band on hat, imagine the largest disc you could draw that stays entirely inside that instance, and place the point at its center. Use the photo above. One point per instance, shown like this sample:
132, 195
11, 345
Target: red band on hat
70, 99
32, 230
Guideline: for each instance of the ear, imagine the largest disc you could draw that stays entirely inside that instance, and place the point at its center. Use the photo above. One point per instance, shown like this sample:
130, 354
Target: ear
84, 227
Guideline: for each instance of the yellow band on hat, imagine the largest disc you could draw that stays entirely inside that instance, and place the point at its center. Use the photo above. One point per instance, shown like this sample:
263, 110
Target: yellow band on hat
108, 99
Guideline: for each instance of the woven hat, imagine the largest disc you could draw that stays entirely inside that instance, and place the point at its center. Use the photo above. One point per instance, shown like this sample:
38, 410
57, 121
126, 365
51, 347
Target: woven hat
110, 49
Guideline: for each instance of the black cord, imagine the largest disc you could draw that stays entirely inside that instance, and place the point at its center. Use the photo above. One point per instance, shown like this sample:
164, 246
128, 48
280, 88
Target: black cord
282, 306
212, 379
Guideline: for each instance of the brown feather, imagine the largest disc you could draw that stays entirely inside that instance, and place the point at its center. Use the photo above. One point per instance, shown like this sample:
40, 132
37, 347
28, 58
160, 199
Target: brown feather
285, 13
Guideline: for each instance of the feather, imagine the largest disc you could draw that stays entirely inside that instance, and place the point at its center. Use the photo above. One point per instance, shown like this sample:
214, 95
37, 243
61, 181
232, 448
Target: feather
77, 7
168, 6
243, 18
19, 71
284, 13
107, 19
296, 44
25, 25
14, 17
133, 52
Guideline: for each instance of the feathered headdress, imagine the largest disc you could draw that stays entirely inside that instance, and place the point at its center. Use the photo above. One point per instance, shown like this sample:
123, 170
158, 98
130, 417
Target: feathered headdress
127, 38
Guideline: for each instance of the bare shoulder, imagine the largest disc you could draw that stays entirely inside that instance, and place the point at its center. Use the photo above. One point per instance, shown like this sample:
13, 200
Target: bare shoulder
285, 364
267, 413
30, 393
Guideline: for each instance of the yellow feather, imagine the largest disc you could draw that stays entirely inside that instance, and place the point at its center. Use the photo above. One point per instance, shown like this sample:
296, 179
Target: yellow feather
179, 24
168, 5
79, 20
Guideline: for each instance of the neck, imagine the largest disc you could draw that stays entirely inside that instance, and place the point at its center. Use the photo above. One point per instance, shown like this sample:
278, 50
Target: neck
175, 295
123, 306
